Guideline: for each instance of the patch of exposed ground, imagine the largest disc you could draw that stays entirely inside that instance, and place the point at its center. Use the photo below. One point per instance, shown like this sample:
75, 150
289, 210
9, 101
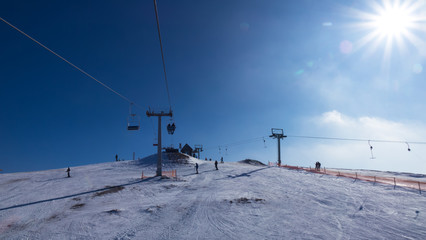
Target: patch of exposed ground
108, 191
245, 200
79, 205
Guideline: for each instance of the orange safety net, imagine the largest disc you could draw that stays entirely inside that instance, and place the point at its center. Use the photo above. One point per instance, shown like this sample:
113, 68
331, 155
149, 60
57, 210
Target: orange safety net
408, 183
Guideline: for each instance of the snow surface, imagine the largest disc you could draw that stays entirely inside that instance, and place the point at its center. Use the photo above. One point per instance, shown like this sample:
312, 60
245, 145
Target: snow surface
239, 201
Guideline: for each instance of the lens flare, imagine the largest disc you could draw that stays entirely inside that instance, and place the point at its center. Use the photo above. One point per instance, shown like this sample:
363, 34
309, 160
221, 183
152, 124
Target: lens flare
244, 26
346, 47
417, 68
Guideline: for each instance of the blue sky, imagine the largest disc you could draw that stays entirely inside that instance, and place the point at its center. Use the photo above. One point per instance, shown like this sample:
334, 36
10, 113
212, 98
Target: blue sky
236, 69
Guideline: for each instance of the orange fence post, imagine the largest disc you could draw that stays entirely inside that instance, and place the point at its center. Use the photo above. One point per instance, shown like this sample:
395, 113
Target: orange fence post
394, 183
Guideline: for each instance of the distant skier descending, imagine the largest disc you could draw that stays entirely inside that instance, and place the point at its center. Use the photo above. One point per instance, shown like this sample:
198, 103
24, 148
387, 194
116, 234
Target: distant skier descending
196, 168
215, 164
68, 171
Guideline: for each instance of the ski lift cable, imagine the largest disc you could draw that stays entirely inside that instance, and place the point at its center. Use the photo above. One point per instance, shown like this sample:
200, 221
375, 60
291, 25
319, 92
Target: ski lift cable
241, 142
355, 139
250, 140
162, 54
70, 63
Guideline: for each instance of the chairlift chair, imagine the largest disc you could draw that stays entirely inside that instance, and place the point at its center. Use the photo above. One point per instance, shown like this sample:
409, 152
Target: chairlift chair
133, 121
171, 128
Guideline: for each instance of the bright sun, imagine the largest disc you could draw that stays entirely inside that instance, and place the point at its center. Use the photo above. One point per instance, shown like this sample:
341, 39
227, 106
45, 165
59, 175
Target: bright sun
390, 25
393, 22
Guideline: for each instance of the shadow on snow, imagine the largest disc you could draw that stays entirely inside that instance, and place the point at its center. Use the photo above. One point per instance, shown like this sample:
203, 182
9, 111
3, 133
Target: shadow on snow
74, 195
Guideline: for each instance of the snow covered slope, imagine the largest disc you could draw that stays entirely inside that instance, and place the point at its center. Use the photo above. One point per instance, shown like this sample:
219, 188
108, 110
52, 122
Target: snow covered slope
239, 201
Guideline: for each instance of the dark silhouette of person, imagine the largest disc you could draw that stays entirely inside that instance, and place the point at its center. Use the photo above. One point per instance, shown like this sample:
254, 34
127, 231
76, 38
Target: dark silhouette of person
68, 172
215, 164
116, 157
221, 159
196, 167
318, 166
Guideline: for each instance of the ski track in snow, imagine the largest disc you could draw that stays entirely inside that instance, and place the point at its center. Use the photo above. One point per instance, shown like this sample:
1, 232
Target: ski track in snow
239, 201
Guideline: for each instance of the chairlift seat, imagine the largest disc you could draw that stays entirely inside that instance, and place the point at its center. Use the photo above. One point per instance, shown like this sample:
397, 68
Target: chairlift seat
171, 128
132, 128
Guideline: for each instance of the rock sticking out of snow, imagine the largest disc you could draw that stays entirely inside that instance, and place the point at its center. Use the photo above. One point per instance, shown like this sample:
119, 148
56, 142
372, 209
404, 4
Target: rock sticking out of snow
252, 162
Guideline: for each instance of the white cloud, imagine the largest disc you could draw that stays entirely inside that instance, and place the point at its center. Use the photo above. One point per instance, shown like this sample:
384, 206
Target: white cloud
356, 154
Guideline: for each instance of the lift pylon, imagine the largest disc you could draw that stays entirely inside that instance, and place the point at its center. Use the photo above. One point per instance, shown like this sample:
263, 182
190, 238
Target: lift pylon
278, 133
152, 113
198, 149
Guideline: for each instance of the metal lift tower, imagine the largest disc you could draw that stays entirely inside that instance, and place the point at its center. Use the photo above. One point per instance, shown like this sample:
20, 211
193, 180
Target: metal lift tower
278, 134
150, 113
198, 149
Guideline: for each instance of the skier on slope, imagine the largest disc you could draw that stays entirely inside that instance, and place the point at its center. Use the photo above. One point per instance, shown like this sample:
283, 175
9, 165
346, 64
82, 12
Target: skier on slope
68, 171
196, 167
221, 159
215, 164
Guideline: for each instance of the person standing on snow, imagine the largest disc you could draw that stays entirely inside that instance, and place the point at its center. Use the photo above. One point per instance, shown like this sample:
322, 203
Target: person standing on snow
221, 159
116, 157
68, 171
196, 167
215, 164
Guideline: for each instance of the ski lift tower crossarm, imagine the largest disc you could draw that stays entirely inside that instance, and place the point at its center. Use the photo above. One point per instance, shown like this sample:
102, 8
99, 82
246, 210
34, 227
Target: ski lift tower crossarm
278, 133
151, 113
198, 149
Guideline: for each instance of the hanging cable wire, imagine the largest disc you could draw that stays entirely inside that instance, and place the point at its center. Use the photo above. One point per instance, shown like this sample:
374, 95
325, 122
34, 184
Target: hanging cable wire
162, 54
71, 64
354, 139
262, 138
241, 142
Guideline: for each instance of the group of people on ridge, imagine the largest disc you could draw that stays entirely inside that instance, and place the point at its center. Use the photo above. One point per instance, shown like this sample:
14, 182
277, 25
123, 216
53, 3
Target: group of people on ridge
317, 166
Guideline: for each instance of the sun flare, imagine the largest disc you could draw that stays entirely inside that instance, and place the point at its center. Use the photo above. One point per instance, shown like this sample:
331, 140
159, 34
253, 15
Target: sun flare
393, 21
391, 25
